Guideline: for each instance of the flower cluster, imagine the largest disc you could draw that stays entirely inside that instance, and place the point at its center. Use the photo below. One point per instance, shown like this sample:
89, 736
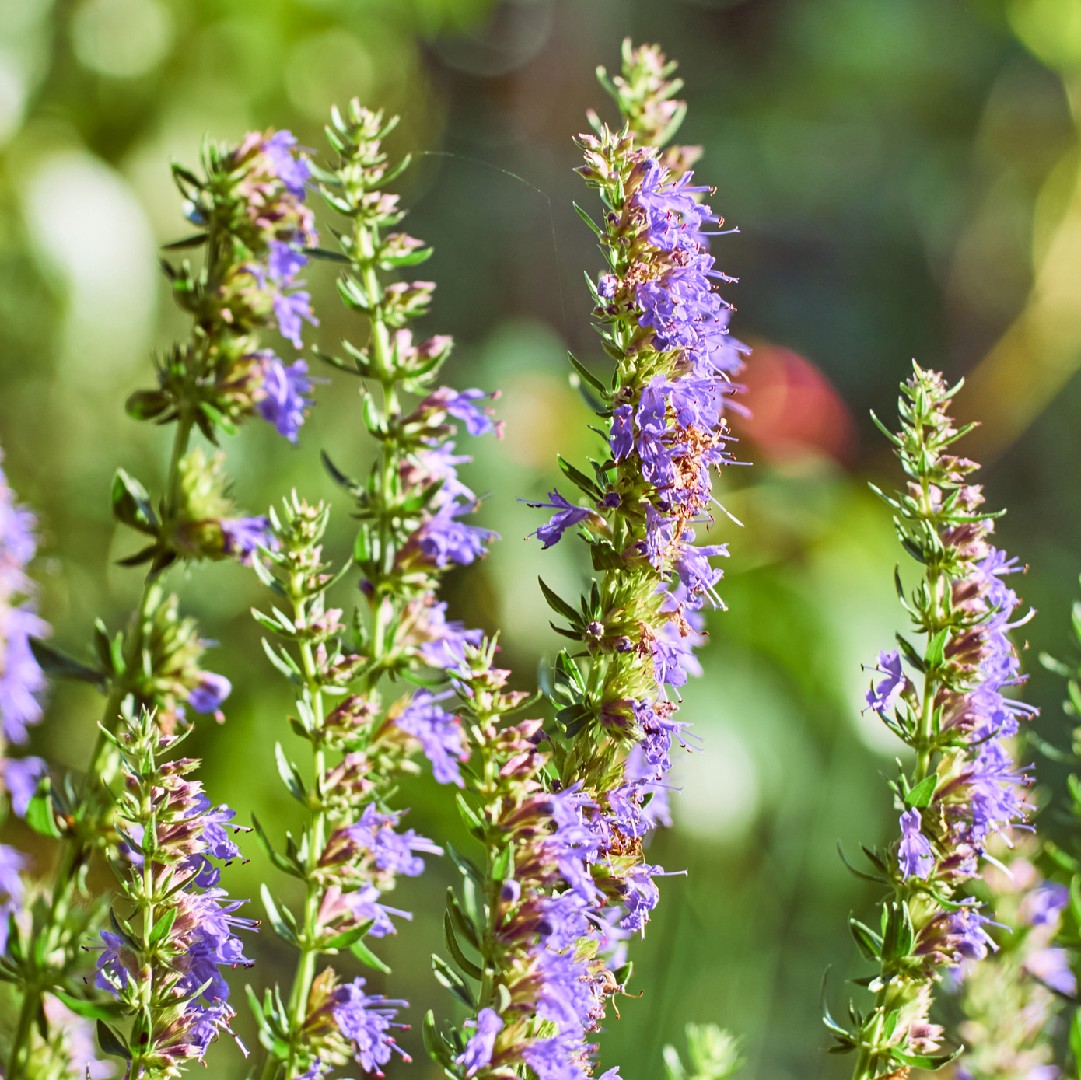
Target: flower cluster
413, 524
250, 204
667, 328
965, 786
254, 227
531, 912
22, 681
164, 962
353, 849
1011, 1002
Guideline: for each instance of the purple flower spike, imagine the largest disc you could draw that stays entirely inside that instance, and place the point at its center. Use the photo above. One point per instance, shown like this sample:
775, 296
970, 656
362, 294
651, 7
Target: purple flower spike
284, 388
478, 1051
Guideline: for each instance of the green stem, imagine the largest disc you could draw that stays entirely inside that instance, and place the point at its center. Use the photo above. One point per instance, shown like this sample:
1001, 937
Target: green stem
309, 953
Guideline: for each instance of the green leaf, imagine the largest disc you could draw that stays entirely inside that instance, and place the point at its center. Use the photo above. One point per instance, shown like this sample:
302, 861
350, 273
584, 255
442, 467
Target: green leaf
594, 227
558, 604
274, 917
162, 927
131, 504
439, 1050
898, 933
462, 924
466, 866
858, 873
59, 665
282, 661
448, 977
279, 860
936, 649
472, 820
1075, 1038
106, 1009
468, 966
579, 478
574, 718
346, 483
930, 1062
290, 775
605, 557
827, 1017
920, 795
568, 672
867, 941
367, 957
112, 1042
587, 376
40, 814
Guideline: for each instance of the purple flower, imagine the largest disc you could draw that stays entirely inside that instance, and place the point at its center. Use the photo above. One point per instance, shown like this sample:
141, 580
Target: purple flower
445, 647
1052, 967
21, 777
660, 533
392, 852
284, 262
22, 681
208, 921
364, 906
622, 436
881, 697
443, 539
214, 821
914, 854
460, 405
291, 168
208, 696
244, 536
366, 1020
439, 733
1044, 905
292, 310
580, 839
640, 896
437, 464
566, 515
283, 402
478, 1051
967, 936
112, 973
694, 569
674, 219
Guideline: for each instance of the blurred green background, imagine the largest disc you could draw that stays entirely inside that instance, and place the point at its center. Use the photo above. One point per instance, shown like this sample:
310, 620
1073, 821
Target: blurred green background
906, 176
